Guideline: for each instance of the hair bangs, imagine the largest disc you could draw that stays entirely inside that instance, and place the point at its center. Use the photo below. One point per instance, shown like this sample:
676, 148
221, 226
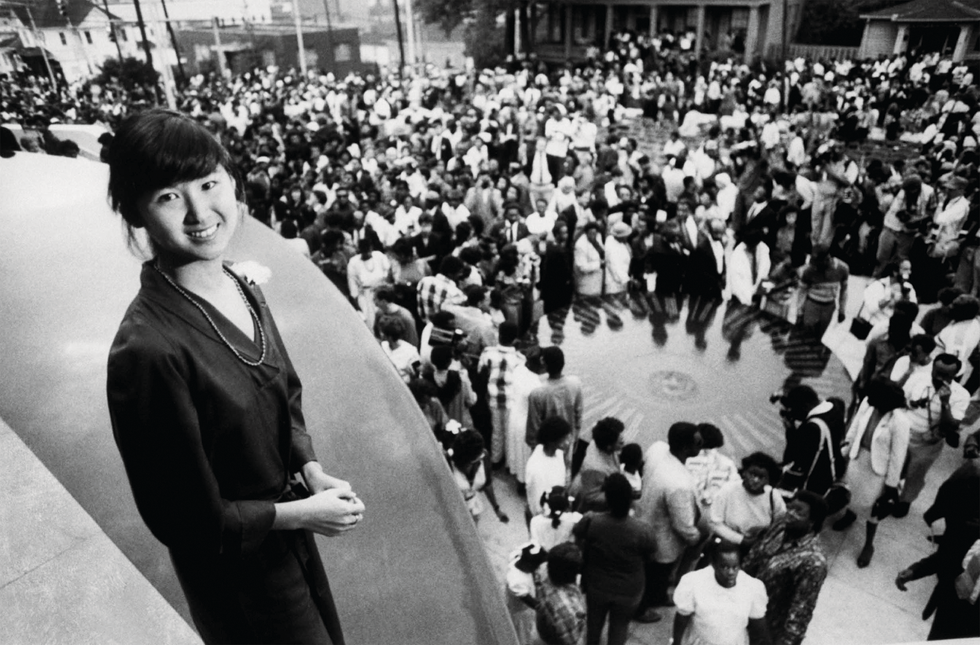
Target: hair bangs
157, 148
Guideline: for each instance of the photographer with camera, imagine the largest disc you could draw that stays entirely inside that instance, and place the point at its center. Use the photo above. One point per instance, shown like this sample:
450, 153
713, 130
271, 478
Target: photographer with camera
814, 431
911, 210
937, 404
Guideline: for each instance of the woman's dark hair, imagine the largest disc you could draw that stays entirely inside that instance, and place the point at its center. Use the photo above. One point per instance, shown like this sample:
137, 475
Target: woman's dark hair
899, 331
947, 295
711, 436
288, 229
818, 508
963, 308
800, 400
463, 231
557, 502
885, 394
442, 357
718, 547
606, 432
467, 447
385, 293
907, 308
364, 245
764, 461
619, 494
564, 563
553, 430
631, 456
157, 148
925, 341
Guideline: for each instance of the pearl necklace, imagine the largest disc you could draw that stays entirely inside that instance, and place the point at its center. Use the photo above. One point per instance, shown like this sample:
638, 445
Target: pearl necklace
248, 305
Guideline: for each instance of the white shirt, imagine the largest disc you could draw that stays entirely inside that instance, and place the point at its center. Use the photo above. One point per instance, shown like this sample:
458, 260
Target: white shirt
735, 512
919, 389
959, 339
719, 616
542, 474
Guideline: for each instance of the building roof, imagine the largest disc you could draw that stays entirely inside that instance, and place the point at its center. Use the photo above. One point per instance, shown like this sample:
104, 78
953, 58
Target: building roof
48, 16
929, 11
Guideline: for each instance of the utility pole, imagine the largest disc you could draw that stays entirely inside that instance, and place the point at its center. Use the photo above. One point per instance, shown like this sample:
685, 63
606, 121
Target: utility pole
166, 72
333, 53
300, 49
410, 23
785, 35
112, 30
217, 48
44, 51
401, 43
173, 41
146, 46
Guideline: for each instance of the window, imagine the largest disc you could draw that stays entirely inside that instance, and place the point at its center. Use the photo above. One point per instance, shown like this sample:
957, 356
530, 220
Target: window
341, 53
121, 31
88, 37
64, 41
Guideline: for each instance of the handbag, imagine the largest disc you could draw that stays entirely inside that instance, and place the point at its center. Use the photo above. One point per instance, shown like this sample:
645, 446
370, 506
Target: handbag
860, 326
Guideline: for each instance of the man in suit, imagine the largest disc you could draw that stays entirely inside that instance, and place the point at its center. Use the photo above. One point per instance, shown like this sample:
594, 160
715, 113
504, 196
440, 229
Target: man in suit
668, 502
509, 230
708, 264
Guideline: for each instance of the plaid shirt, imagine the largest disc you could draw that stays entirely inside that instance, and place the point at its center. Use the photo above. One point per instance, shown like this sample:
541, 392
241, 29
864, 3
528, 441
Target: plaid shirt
435, 291
560, 611
793, 572
501, 362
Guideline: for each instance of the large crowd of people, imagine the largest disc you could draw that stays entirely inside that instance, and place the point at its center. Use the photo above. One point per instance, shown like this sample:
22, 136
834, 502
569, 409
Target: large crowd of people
457, 209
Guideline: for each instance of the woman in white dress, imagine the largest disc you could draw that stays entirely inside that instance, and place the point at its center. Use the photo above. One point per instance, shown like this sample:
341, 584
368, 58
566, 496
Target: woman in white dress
365, 272
877, 442
517, 450
720, 604
546, 465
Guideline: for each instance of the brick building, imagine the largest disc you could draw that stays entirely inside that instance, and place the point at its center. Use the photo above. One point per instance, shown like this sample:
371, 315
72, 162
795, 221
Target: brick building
337, 51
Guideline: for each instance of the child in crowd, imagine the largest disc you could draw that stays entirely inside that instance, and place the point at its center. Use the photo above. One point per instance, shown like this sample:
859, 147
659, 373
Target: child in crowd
631, 463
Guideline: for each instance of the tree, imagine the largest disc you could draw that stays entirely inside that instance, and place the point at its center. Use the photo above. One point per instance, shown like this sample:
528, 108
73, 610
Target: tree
837, 22
484, 39
130, 73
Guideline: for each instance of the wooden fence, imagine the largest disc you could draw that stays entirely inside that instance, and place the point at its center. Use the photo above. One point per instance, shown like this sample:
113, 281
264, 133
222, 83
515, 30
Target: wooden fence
814, 52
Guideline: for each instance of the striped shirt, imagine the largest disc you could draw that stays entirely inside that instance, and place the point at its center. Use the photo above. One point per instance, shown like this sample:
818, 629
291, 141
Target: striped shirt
501, 362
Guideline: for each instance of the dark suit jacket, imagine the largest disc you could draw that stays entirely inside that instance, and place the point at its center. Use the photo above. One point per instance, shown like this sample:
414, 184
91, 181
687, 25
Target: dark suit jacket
500, 230
702, 277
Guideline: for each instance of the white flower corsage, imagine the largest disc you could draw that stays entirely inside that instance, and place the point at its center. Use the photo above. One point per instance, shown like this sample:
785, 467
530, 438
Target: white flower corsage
252, 272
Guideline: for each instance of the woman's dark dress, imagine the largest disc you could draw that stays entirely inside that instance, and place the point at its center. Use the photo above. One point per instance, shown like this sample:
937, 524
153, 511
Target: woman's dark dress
208, 444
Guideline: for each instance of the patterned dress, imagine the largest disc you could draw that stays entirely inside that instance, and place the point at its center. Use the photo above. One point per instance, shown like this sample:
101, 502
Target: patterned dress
793, 572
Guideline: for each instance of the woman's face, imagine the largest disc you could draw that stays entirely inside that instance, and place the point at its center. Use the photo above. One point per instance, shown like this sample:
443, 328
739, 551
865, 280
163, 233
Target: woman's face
727, 565
194, 220
754, 479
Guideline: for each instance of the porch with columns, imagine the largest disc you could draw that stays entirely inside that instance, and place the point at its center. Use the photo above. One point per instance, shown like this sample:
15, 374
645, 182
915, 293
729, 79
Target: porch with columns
565, 29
